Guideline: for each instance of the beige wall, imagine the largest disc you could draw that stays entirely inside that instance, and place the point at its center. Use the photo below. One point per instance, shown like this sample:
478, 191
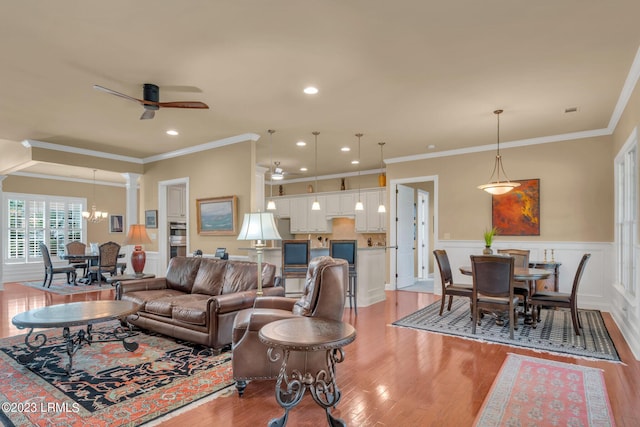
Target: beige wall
576, 189
223, 171
108, 198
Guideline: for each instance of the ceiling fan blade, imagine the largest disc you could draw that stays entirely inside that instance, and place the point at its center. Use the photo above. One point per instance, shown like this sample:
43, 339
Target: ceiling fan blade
183, 104
148, 114
121, 95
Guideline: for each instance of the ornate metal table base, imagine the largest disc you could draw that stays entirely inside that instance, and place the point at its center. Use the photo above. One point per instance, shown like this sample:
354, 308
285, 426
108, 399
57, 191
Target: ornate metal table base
73, 342
291, 388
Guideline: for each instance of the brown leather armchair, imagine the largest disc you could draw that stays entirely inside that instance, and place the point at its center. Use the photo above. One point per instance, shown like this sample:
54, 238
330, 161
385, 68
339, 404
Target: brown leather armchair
323, 296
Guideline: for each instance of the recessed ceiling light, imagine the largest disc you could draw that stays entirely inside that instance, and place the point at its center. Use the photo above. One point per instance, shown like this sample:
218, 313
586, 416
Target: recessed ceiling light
303, 169
355, 162
172, 132
310, 90
301, 143
345, 149
431, 146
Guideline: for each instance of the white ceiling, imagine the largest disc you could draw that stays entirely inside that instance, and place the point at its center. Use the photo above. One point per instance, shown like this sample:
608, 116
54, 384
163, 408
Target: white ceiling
410, 73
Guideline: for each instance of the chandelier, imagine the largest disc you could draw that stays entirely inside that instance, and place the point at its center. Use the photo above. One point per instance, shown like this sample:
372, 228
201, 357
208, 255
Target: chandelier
497, 186
95, 215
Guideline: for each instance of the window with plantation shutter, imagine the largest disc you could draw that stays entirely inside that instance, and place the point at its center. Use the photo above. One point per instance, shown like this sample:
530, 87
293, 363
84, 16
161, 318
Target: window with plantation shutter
32, 219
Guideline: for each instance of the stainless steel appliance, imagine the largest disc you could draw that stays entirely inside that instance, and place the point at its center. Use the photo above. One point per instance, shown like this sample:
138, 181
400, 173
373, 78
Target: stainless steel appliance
177, 239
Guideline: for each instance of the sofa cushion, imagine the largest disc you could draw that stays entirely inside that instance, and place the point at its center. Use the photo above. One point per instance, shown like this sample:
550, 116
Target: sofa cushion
210, 277
240, 276
181, 273
190, 309
142, 297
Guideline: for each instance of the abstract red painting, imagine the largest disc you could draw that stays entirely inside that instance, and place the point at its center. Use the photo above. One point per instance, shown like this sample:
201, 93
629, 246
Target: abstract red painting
517, 213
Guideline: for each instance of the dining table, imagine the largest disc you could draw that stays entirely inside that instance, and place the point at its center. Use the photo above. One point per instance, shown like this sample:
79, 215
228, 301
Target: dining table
91, 258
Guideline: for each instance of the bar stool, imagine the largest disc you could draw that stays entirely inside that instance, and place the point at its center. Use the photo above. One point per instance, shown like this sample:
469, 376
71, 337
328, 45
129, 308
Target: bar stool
295, 261
348, 250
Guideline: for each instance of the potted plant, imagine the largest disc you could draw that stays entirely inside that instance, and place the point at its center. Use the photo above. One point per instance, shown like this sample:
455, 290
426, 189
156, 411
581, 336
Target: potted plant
488, 240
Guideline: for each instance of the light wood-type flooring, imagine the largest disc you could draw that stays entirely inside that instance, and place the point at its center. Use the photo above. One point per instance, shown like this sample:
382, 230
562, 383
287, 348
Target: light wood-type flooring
390, 377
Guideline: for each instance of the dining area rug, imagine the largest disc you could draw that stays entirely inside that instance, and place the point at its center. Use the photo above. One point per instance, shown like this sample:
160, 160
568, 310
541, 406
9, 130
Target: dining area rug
61, 287
536, 392
108, 385
554, 333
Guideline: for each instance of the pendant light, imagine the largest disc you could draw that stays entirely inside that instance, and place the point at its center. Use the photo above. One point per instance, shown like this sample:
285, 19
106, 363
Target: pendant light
95, 216
497, 186
359, 205
271, 205
382, 180
316, 205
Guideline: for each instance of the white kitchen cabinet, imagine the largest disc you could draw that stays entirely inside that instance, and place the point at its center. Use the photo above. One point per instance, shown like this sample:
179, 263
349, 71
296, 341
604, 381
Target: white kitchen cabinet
370, 220
317, 221
176, 202
340, 204
283, 207
299, 208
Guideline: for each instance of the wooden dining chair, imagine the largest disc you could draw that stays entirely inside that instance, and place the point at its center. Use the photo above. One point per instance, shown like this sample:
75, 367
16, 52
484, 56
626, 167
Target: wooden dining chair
493, 288
560, 299
50, 270
107, 261
77, 248
523, 289
446, 279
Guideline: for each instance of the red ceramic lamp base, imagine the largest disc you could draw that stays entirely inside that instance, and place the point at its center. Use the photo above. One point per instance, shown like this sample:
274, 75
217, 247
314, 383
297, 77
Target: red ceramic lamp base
138, 259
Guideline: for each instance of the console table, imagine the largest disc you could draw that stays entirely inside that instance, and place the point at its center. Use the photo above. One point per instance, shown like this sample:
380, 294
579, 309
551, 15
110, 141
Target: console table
551, 283
307, 334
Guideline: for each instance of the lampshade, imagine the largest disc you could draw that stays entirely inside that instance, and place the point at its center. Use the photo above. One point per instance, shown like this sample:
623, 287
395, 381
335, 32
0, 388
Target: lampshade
496, 186
137, 235
259, 226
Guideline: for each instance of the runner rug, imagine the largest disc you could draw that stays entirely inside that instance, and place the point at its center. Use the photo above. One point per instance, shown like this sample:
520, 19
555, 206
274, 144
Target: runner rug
108, 385
63, 288
537, 392
554, 333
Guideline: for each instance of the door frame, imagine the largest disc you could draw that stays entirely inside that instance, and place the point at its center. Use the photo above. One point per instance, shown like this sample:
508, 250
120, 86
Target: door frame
393, 216
163, 225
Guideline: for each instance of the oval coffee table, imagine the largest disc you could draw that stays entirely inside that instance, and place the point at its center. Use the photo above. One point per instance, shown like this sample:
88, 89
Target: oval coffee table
307, 334
74, 314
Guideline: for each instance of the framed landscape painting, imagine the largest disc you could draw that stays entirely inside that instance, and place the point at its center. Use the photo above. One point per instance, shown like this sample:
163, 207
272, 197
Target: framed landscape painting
517, 213
217, 215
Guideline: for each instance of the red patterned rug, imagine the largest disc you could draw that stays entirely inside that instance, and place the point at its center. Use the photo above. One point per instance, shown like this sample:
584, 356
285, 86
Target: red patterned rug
538, 392
108, 385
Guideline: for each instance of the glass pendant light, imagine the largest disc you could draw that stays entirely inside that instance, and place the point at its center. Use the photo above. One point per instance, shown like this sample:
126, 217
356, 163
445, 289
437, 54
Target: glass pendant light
316, 205
382, 180
271, 205
497, 186
359, 205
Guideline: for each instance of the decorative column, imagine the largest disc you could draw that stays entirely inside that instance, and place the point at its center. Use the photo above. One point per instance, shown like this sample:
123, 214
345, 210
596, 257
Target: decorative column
131, 210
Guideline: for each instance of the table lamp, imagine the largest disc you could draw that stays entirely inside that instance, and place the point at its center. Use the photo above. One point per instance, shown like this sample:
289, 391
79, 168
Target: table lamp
259, 226
137, 236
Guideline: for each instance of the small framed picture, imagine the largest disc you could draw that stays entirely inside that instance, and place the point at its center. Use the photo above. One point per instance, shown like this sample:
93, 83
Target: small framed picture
116, 223
151, 219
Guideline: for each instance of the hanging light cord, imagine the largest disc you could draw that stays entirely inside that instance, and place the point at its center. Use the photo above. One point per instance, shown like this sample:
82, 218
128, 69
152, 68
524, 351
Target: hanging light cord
315, 134
271, 132
359, 135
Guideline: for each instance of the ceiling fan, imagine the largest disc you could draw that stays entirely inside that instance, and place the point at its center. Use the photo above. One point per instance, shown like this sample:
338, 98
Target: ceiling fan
278, 173
151, 100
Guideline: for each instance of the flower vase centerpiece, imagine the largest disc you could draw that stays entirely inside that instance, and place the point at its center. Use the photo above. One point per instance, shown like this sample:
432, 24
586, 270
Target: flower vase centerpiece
488, 240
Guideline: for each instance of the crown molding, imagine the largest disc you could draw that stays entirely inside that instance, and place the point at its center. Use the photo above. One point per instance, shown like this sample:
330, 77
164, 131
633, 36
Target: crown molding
626, 92
325, 177
203, 147
69, 179
29, 143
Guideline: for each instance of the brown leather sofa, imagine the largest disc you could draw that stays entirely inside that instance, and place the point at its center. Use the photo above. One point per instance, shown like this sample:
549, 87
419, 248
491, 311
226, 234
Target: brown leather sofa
198, 299
324, 295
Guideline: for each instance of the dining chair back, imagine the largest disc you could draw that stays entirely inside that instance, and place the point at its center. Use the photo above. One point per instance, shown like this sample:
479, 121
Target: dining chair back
77, 248
523, 288
50, 270
348, 250
560, 299
493, 288
296, 255
446, 279
107, 260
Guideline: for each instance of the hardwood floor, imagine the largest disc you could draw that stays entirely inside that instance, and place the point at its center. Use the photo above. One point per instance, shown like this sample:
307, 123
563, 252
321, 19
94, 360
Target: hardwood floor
391, 376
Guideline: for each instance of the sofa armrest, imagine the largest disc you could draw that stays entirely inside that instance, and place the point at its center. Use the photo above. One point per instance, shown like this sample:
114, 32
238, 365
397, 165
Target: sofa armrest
259, 318
237, 301
277, 302
139, 285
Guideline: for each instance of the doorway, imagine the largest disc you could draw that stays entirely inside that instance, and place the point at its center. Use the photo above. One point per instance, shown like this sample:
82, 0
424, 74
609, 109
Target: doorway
163, 217
414, 204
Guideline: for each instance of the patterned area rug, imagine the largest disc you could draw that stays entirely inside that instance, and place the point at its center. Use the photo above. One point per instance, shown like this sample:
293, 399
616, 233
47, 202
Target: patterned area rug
108, 384
63, 288
537, 392
554, 333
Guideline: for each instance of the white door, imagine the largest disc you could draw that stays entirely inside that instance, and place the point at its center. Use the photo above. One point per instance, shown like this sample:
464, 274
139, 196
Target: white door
405, 232
423, 235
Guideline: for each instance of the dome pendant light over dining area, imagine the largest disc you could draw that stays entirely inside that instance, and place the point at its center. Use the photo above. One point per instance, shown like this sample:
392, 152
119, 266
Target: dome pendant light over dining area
497, 186
95, 216
315, 206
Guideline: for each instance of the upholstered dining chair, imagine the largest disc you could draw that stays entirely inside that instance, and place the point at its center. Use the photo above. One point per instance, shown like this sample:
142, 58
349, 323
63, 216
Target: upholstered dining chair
77, 248
560, 299
107, 261
493, 288
50, 270
449, 288
520, 259
323, 296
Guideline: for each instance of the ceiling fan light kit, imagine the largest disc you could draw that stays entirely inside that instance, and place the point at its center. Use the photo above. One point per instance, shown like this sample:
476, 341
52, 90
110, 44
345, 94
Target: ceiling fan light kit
497, 186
